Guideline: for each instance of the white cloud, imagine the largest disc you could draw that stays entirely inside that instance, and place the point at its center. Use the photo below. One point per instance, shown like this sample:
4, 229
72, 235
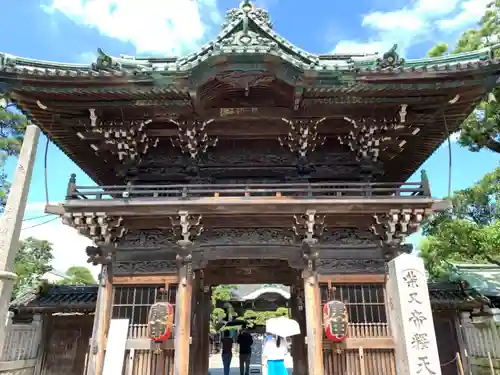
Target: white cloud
68, 245
420, 21
153, 26
470, 11
454, 137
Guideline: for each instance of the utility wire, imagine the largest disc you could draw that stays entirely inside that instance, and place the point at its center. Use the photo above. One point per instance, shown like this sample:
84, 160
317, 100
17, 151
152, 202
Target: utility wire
42, 223
37, 217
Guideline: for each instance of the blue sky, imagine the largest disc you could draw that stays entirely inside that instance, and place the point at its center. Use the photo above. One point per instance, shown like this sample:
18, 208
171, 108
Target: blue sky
72, 30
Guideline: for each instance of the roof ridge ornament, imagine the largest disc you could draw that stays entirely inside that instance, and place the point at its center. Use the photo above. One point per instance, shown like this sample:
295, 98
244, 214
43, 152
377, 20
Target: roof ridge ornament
390, 59
248, 8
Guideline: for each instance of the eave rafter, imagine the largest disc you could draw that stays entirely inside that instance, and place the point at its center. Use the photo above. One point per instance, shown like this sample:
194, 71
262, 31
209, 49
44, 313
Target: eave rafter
104, 230
394, 226
192, 138
303, 136
371, 135
127, 140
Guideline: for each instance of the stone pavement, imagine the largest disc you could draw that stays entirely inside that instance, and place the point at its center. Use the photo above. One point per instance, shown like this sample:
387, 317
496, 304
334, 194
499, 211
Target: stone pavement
217, 368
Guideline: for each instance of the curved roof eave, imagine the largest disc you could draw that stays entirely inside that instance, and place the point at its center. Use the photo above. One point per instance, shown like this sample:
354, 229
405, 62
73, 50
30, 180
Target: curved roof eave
259, 292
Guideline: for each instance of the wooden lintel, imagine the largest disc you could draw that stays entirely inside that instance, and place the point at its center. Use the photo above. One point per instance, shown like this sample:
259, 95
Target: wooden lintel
353, 279
366, 343
145, 280
235, 206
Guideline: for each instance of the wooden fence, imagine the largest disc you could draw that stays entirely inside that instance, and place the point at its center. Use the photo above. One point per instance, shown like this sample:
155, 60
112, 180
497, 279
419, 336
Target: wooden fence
482, 344
22, 347
482, 339
141, 359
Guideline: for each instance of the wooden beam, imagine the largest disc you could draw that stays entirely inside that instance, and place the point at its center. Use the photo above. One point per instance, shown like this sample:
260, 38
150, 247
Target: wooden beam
352, 279
247, 205
366, 343
145, 280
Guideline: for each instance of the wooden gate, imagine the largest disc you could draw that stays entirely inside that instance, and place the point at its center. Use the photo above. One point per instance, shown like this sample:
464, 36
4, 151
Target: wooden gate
66, 345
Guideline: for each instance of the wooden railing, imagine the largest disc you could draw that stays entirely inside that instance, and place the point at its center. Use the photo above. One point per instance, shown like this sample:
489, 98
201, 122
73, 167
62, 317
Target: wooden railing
285, 190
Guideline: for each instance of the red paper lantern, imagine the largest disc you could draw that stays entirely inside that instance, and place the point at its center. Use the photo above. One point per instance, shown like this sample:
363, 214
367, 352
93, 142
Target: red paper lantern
335, 320
161, 319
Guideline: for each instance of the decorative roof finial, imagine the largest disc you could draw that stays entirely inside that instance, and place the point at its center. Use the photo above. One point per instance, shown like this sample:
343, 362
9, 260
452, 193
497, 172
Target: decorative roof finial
390, 59
247, 8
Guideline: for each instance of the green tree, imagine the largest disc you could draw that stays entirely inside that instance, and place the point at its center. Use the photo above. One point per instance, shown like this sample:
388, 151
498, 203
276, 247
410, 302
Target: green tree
482, 128
467, 232
220, 293
77, 275
32, 261
12, 126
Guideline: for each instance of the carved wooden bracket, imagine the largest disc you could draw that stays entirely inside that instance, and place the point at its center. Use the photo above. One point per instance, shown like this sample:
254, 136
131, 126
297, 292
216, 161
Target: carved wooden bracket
192, 138
99, 255
186, 228
100, 228
309, 228
303, 136
371, 136
127, 140
393, 227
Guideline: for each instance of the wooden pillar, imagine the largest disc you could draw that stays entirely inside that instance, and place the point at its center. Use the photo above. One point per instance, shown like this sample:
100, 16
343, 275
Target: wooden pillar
196, 325
104, 317
313, 319
299, 351
183, 319
205, 332
11, 221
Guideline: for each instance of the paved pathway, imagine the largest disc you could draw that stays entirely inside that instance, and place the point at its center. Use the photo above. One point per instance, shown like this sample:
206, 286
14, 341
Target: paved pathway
217, 368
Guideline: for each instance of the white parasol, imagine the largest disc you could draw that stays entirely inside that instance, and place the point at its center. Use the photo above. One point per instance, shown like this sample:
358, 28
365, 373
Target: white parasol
283, 327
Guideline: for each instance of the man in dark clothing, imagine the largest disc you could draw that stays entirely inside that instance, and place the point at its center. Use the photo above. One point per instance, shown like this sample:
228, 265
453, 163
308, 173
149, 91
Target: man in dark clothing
245, 341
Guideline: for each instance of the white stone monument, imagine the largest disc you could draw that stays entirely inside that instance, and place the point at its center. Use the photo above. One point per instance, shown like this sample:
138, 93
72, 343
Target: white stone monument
410, 315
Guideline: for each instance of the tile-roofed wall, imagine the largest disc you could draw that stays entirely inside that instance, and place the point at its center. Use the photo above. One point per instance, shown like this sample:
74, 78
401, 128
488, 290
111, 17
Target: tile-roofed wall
60, 298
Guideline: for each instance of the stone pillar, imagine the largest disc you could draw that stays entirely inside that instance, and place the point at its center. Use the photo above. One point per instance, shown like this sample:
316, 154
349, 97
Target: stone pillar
11, 220
411, 317
313, 319
182, 338
299, 351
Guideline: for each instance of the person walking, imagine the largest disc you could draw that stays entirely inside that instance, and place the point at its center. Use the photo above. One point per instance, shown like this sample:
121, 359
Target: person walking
274, 353
227, 351
245, 341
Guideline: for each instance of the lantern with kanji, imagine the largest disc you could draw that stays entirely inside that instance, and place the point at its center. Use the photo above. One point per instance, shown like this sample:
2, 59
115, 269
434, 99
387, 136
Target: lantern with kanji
335, 320
161, 319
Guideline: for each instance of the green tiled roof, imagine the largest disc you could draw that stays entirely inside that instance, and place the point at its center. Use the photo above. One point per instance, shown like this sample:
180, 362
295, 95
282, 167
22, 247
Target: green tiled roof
248, 33
484, 278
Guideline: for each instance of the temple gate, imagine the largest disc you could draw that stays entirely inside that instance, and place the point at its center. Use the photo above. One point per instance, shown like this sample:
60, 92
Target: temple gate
249, 161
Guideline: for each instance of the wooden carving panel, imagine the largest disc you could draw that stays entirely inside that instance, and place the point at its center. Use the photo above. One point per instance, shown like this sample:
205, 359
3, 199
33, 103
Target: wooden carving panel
351, 266
144, 267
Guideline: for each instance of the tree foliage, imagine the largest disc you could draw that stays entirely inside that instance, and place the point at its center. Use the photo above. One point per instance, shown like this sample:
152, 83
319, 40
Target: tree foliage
32, 261
12, 126
482, 128
77, 275
467, 232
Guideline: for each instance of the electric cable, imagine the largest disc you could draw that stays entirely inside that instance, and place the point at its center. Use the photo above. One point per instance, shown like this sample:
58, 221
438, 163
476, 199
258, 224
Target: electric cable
447, 131
39, 224
37, 217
